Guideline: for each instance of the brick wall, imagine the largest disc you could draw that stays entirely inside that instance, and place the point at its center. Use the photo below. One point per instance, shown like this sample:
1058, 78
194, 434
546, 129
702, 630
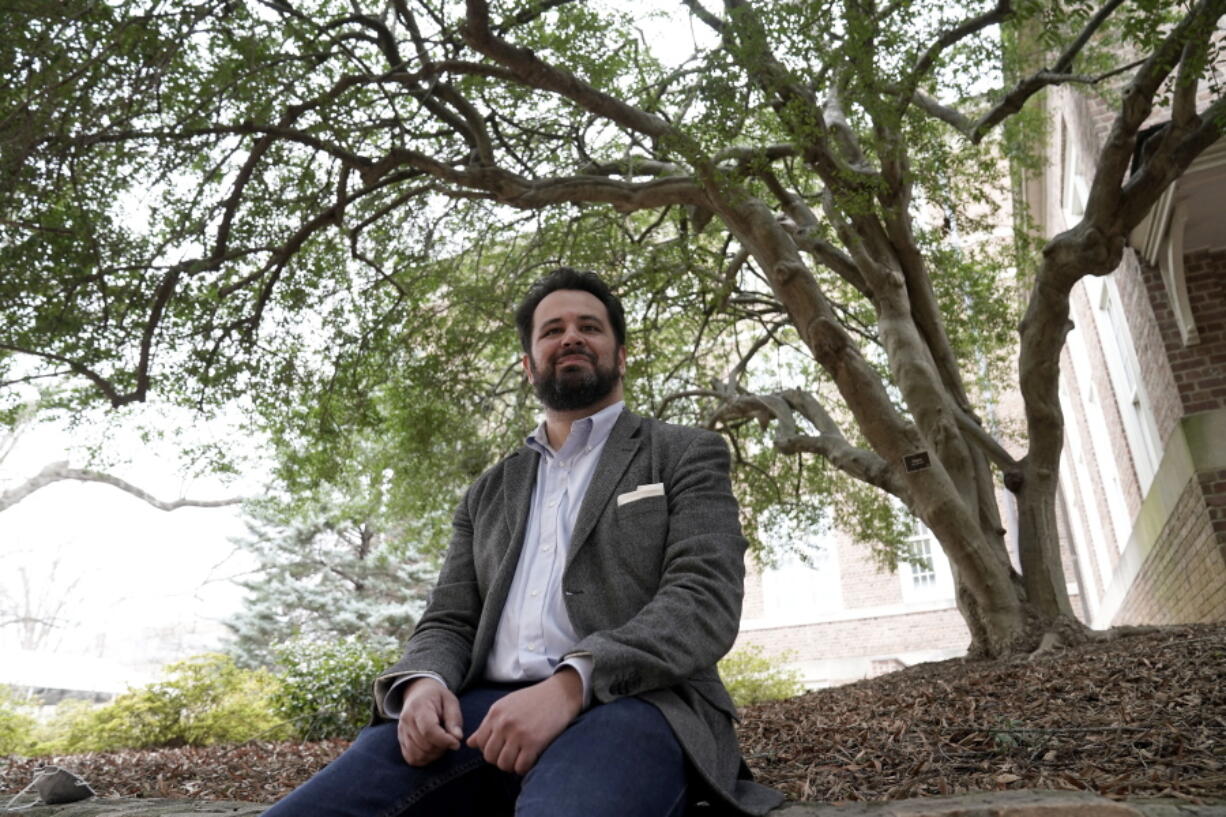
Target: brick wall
1213, 485
1184, 577
864, 584
1140, 303
754, 605
1104, 394
1199, 370
877, 636
1121, 448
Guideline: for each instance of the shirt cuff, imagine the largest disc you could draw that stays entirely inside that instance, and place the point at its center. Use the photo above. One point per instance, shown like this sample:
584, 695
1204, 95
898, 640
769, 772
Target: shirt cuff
393, 701
582, 663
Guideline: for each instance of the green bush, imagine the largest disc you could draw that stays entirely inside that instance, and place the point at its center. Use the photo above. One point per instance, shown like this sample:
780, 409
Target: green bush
70, 728
16, 726
752, 677
325, 688
202, 701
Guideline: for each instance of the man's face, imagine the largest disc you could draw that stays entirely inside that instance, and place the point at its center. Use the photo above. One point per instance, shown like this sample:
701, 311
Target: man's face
575, 362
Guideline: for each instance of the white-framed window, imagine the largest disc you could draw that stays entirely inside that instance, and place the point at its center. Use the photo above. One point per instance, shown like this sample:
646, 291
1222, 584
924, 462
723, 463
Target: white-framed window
1095, 412
1074, 189
1123, 366
1076, 479
925, 574
803, 584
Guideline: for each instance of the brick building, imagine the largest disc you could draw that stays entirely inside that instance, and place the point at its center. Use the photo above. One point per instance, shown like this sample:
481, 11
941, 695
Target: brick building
1143, 478
1142, 498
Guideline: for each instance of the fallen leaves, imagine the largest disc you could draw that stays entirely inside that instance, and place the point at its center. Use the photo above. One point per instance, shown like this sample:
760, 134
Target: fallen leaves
1143, 715
259, 772
1138, 716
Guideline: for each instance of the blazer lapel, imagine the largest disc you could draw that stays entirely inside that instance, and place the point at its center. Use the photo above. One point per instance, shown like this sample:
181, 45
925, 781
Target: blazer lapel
519, 479
618, 451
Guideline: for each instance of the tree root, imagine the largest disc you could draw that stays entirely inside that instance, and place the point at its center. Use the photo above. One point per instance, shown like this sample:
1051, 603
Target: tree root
1126, 631
1065, 633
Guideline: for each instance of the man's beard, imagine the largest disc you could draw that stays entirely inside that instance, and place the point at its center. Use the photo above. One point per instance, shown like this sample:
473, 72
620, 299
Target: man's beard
573, 390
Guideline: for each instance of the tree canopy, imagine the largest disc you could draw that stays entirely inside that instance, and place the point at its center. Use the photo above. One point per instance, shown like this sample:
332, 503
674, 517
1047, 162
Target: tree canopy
326, 211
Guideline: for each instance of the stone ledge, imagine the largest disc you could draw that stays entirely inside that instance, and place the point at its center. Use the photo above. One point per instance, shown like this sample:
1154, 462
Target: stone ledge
1026, 803
1022, 803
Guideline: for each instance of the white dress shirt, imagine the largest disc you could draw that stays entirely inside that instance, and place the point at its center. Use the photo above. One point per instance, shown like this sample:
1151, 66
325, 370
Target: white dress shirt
534, 634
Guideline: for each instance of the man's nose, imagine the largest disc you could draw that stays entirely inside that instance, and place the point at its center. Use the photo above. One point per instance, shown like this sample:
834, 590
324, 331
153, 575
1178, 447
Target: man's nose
572, 337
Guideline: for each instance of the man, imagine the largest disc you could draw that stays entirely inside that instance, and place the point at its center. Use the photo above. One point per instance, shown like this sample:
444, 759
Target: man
565, 664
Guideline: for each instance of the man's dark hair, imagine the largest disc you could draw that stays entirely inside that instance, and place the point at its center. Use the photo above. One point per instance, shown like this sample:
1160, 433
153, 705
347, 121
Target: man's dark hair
568, 278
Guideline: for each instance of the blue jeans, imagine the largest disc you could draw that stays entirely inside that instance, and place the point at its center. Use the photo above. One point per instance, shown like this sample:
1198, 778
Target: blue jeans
618, 759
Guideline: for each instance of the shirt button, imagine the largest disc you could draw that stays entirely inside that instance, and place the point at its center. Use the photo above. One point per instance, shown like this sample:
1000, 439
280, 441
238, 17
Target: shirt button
536, 593
546, 549
534, 647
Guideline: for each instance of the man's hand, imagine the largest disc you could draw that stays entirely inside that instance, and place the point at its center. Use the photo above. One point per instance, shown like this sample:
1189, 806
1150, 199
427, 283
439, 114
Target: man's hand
522, 725
430, 722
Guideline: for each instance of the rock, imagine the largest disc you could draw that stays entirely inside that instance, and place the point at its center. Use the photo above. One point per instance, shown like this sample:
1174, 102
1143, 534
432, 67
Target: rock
151, 807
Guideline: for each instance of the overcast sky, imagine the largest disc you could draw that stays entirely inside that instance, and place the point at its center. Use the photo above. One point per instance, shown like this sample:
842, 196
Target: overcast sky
142, 585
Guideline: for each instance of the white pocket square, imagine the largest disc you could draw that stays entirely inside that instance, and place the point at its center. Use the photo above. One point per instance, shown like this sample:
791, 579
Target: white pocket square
641, 492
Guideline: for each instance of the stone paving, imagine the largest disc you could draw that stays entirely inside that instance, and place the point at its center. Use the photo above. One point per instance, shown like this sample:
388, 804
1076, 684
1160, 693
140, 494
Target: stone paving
993, 804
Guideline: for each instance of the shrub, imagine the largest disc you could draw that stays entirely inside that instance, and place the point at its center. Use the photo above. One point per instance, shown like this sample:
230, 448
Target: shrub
202, 701
752, 677
16, 726
70, 729
325, 688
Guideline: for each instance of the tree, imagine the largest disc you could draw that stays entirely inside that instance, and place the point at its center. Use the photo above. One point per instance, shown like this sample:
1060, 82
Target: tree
323, 574
316, 205
37, 607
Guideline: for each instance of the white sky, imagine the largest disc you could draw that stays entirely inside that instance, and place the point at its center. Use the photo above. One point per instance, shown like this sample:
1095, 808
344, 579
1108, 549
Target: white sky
149, 585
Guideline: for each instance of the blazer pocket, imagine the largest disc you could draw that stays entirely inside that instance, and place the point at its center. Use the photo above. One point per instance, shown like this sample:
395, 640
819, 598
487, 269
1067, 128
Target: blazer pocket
646, 505
644, 522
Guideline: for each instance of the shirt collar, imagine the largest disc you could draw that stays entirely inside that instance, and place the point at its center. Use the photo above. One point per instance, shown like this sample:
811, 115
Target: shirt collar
591, 431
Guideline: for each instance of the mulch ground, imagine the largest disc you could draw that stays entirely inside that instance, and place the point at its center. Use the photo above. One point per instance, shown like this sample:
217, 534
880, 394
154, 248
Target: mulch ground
1138, 716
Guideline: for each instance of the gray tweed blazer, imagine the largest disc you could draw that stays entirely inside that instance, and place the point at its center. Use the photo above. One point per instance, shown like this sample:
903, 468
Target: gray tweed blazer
653, 587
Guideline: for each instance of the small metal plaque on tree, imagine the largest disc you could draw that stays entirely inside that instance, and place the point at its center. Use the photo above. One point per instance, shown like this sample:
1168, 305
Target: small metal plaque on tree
917, 462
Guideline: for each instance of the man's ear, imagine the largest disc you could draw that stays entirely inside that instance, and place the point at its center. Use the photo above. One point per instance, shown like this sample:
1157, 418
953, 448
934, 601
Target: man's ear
527, 364
621, 360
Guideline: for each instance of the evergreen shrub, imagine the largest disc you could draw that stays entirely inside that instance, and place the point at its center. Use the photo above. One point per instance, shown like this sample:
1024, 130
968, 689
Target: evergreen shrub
325, 687
16, 726
202, 701
752, 677
70, 729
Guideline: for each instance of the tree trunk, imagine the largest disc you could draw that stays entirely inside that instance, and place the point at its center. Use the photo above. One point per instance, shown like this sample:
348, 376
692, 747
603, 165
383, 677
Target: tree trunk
1039, 549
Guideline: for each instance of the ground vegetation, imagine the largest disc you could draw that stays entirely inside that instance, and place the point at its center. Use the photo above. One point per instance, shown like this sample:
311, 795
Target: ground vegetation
1136, 717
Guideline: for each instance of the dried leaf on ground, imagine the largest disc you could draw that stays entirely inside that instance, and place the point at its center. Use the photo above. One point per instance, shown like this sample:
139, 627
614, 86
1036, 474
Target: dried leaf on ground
1138, 716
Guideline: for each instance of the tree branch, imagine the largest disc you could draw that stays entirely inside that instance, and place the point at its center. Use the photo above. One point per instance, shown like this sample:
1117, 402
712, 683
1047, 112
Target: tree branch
702, 13
536, 73
60, 471
517, 191
532, 12
1104, 200
965, 29
986, 442
103, 385
1022, 91
780, 408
